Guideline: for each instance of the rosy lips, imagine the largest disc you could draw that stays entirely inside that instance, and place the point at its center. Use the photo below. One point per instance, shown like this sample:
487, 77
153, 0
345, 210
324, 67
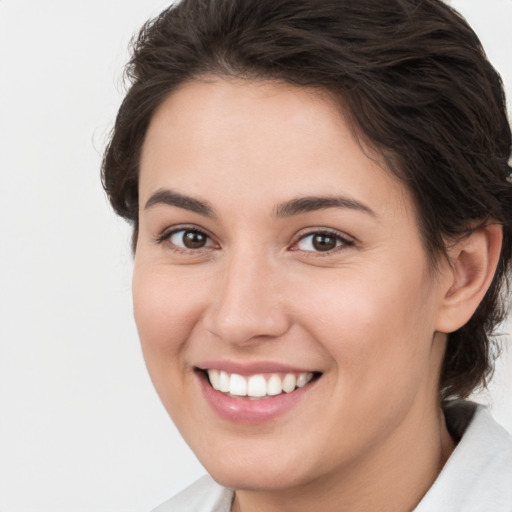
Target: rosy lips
244, 409
246, 368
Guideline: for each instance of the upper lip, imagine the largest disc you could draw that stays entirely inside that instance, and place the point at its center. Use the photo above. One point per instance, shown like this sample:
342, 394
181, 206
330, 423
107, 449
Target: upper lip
251, 368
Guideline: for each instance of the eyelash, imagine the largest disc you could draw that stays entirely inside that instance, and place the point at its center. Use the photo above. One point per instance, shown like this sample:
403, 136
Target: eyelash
341, 241
165, 236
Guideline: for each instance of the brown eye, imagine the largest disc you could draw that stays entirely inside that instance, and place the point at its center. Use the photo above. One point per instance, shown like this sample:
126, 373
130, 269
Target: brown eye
324, 242
189, 239
321, 242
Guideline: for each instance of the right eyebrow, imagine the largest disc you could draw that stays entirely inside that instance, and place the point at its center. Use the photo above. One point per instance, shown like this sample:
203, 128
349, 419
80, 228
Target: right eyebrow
171, 198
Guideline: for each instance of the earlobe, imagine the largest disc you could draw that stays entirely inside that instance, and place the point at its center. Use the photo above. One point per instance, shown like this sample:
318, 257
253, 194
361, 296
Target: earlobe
473, 262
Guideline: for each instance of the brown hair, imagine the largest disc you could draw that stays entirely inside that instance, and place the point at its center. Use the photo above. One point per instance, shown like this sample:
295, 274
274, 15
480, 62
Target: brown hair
414, 81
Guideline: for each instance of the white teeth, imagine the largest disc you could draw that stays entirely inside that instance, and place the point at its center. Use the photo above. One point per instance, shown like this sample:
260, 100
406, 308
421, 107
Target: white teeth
289, 383
274, 386
223, 382
256, 386
237, 385
214, 378
303, 379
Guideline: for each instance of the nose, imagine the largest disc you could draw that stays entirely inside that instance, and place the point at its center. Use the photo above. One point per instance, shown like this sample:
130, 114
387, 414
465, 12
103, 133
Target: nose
248, 305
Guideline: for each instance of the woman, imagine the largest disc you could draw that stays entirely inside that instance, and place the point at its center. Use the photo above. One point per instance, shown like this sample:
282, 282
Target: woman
322, 215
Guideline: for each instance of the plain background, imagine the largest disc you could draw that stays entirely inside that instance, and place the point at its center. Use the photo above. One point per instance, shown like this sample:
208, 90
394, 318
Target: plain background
81, 428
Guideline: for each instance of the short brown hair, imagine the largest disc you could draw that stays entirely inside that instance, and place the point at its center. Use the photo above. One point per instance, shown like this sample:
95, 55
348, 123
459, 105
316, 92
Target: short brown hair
414, 81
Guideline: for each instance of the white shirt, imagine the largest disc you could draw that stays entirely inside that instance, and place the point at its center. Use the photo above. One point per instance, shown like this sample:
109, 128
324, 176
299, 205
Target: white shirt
476, 478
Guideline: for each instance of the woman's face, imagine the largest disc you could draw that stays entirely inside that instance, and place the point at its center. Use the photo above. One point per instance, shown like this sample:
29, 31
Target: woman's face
275, 252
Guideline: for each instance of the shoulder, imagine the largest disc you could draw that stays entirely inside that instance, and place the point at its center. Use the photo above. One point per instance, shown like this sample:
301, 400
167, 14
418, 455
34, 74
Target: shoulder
478, 475
204, 495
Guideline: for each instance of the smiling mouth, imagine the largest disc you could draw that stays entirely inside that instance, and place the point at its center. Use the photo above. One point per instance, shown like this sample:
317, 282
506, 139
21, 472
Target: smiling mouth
258, 386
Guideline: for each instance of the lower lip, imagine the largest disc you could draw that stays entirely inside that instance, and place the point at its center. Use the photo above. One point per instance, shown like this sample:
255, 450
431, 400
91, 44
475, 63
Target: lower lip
244, 410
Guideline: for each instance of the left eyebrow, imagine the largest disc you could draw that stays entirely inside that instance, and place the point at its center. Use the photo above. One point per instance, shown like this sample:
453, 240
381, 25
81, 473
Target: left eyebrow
314, 203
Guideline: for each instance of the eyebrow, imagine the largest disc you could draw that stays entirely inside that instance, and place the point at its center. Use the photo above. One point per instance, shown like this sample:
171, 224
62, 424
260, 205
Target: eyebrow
287, 209
171, 198
313, 203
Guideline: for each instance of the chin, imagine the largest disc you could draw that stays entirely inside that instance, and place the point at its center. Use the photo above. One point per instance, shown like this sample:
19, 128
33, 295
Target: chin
263, 468
250, 478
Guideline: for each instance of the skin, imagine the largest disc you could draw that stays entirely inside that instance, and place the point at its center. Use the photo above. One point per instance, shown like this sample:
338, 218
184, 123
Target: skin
370, 315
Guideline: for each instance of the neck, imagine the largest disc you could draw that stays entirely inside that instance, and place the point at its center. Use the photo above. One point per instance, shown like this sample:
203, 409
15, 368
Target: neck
394, 476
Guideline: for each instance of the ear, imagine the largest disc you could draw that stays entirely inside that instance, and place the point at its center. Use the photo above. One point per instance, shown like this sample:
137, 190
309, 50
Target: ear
467, 277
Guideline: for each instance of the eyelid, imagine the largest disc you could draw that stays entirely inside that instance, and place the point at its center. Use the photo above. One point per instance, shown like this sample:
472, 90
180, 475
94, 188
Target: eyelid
166, 234
346, 241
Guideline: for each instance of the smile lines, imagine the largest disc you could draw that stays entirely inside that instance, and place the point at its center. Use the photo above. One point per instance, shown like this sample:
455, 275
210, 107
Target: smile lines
257, 386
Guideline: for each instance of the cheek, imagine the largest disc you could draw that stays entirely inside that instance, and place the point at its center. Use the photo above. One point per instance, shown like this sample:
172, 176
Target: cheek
165, 310
376, 328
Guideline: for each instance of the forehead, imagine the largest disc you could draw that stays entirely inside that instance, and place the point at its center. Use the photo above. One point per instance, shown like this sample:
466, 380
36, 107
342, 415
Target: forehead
217, 137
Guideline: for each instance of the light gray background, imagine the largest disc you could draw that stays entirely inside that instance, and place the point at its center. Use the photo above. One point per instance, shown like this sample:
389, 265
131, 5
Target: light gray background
81, 429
